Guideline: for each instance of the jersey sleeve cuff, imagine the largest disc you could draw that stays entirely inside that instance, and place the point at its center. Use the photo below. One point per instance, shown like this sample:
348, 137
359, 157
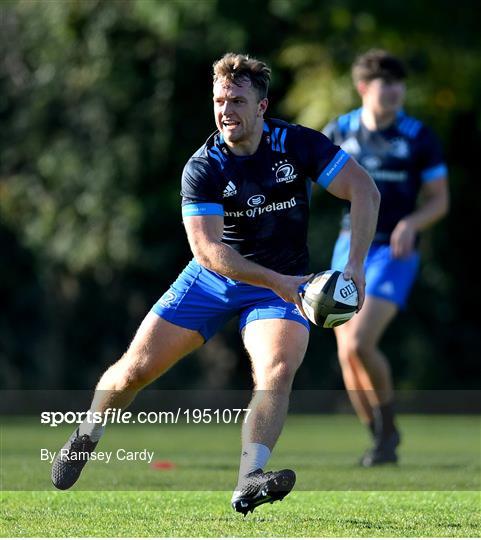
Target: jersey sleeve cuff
202, 209
333, 169
433, 173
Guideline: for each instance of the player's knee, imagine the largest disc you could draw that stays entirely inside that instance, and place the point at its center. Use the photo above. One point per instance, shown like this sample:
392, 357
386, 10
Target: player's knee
130, 373
279, 375
360, 349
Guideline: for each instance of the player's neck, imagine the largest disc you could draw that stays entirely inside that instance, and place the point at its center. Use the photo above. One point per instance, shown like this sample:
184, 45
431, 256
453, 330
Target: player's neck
375, 121
249, 146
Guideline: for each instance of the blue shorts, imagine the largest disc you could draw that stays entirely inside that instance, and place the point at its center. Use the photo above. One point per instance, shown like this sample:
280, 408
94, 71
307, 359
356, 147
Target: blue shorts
386, 277
204, 301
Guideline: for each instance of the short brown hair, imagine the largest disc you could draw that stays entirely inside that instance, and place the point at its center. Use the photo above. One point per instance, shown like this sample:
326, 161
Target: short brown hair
378, 64
238, 67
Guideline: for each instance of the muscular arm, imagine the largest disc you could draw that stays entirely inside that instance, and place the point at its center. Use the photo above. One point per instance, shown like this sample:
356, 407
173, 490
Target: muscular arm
355, 185
433, 206
204, 234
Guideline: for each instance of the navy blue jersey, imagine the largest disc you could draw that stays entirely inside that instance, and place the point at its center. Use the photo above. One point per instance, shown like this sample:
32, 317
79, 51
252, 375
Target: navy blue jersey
264, 198
399, 159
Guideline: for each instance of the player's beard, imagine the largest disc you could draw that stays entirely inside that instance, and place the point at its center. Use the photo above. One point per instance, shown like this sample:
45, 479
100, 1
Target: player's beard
235, 135
243, 133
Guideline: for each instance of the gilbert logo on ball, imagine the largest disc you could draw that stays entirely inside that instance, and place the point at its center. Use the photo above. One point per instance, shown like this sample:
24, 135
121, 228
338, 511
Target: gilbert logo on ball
328, 299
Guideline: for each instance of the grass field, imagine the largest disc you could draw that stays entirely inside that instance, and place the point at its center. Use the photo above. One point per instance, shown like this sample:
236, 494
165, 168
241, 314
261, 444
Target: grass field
433, 492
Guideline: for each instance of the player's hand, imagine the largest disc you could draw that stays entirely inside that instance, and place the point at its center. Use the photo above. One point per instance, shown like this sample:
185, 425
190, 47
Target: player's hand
357, 274
287, 287
402, 239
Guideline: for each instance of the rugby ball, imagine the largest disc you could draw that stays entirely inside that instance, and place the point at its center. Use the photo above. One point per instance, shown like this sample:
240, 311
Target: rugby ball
328, 299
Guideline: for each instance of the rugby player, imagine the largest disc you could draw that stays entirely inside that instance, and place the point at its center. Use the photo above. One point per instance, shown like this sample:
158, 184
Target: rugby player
245, 206
404, 158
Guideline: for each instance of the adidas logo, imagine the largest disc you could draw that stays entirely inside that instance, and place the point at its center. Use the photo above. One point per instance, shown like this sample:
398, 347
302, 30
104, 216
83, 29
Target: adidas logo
230, 189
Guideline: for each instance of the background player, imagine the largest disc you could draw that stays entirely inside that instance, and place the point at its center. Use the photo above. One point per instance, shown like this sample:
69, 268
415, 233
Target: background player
404, 159
245, 204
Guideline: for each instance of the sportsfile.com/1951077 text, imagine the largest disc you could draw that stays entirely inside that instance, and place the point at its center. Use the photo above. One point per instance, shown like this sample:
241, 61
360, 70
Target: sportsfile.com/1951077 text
117, 416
